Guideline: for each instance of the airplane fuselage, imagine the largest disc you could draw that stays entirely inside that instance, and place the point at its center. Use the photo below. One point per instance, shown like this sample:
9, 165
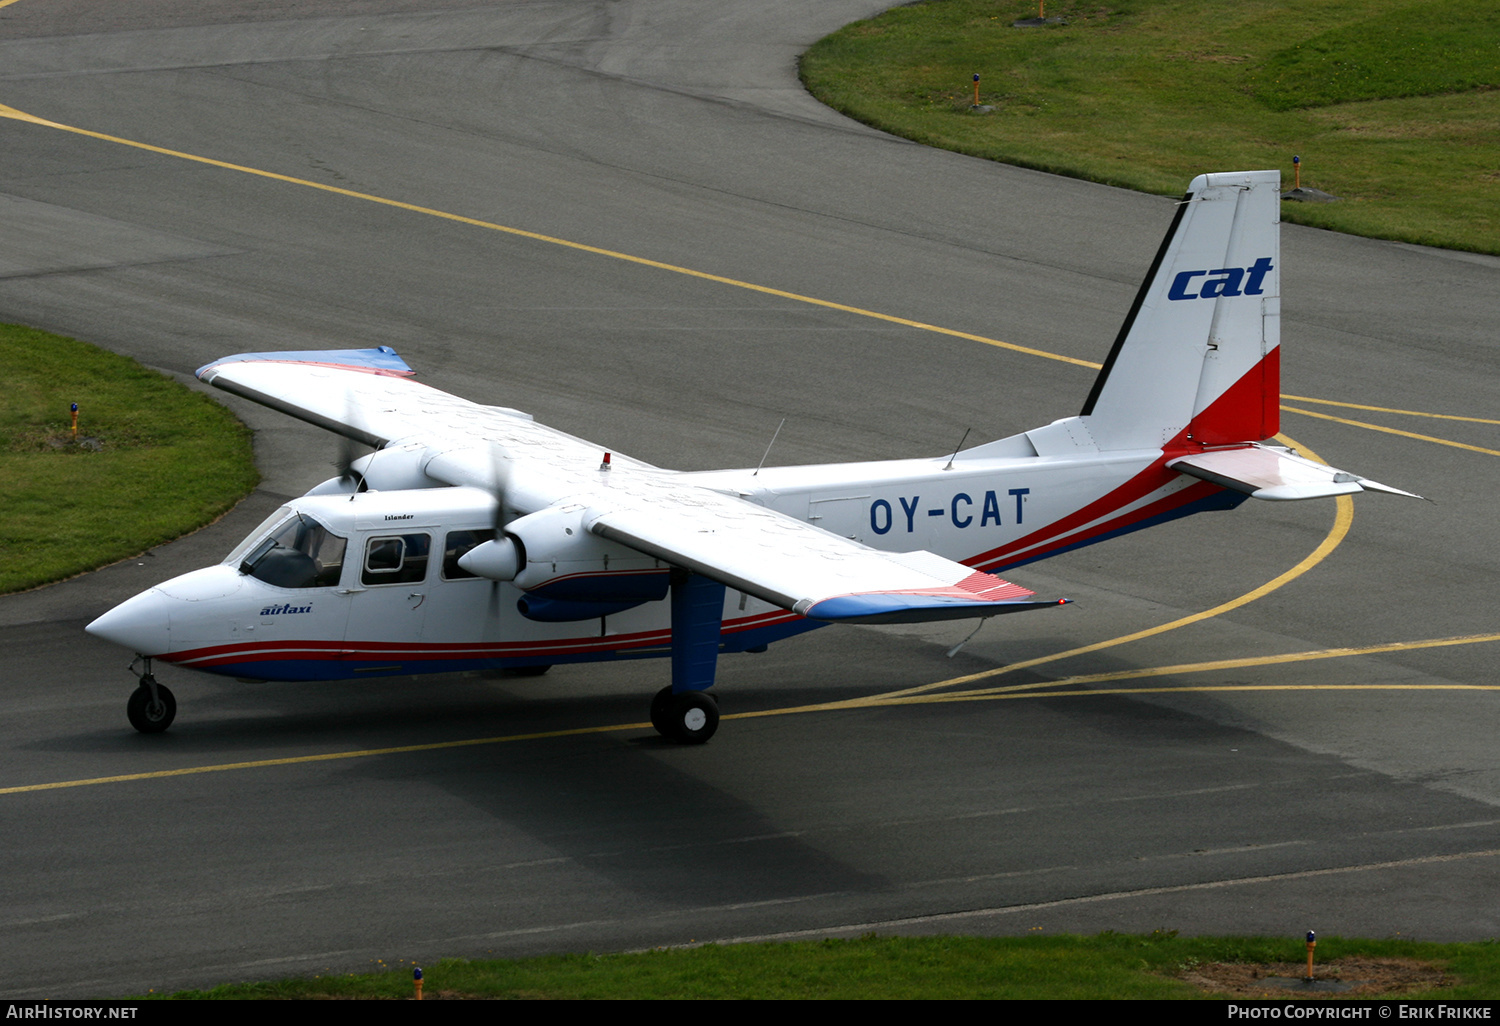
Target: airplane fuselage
392, 600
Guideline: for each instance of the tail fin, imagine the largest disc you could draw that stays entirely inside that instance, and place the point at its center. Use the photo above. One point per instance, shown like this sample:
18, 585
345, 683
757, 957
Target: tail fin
1197, 359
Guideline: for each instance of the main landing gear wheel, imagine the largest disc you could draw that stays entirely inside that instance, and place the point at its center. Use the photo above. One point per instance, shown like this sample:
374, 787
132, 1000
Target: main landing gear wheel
659, 710
689, 717
151, 713
524, 671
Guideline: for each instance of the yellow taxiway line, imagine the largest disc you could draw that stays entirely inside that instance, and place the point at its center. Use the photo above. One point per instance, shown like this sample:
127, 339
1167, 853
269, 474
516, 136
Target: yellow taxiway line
1386, 409
872, 702
19, 115
11, 112
1397, 431
1245, 662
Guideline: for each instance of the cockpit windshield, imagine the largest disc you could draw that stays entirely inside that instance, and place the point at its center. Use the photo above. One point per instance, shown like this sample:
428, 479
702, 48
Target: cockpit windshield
300, 553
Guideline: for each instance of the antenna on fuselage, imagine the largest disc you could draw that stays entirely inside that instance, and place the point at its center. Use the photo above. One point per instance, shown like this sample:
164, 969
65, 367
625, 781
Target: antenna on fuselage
762, 462
961, 442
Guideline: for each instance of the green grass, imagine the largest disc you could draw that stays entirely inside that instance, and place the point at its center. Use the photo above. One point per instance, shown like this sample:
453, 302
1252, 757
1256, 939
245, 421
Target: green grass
1394, 107
1109, 966
1422, 50
157, 461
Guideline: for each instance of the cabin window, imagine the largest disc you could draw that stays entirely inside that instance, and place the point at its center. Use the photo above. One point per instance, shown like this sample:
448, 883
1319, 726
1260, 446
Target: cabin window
301, 553
455, 545
396, 559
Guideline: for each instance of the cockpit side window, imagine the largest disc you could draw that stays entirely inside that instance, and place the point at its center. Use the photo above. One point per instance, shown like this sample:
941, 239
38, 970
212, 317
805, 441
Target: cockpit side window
254, 538
301, 553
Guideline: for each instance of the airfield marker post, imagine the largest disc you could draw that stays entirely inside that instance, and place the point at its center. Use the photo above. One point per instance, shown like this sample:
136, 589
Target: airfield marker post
75, 422
416, 982
1312, 942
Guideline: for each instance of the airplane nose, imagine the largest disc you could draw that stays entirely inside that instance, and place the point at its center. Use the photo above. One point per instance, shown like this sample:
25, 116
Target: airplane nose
139, 624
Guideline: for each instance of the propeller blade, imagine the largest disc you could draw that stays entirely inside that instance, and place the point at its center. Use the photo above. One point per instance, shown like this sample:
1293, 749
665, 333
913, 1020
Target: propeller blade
348, 453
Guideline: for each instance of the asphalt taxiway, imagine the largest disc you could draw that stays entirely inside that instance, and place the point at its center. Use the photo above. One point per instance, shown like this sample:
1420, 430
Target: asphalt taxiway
1309, 746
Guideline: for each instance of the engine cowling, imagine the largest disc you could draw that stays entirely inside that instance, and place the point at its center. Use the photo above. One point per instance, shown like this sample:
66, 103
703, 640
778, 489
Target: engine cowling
568, 573
393, 468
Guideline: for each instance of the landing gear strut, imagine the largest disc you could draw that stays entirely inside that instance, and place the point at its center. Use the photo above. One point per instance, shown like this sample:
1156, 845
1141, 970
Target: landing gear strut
151, 707
683, 712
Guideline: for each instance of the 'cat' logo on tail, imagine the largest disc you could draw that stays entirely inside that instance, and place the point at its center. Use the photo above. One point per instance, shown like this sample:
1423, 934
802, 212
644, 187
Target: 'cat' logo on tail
1226, 283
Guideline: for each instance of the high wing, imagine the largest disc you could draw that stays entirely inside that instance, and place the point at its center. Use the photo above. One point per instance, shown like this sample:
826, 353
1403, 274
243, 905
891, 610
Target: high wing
799, 566
370, 396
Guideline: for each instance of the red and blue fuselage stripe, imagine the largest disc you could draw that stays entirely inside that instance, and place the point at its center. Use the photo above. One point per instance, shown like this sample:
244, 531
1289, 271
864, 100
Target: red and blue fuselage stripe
338, 660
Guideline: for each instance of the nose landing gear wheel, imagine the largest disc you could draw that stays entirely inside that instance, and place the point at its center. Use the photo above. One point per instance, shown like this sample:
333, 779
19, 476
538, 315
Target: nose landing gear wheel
151, 713
689, 717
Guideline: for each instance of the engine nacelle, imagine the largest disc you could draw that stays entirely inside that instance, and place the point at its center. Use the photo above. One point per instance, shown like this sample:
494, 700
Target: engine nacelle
564, 561
551, 555
386, 470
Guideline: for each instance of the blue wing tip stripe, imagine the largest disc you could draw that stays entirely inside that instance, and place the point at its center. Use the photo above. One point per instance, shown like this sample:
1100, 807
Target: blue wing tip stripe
382, 359
900, 608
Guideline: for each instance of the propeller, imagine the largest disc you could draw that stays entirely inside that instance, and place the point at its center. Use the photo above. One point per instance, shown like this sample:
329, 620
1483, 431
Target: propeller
349, 478
500, 565
348, 481
498, 479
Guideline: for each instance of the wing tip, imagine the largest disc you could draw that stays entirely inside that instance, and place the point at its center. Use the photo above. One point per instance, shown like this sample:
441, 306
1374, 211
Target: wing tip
888, 607
379, 360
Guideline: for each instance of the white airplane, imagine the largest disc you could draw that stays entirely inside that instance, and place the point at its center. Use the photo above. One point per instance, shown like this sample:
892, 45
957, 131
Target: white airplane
474, 538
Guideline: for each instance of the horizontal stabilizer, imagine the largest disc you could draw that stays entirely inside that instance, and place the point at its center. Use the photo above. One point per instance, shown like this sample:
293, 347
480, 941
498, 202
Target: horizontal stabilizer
1264, 472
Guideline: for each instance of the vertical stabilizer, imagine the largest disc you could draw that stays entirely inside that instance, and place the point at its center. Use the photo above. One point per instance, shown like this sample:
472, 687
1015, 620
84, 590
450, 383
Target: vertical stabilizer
1197, 359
